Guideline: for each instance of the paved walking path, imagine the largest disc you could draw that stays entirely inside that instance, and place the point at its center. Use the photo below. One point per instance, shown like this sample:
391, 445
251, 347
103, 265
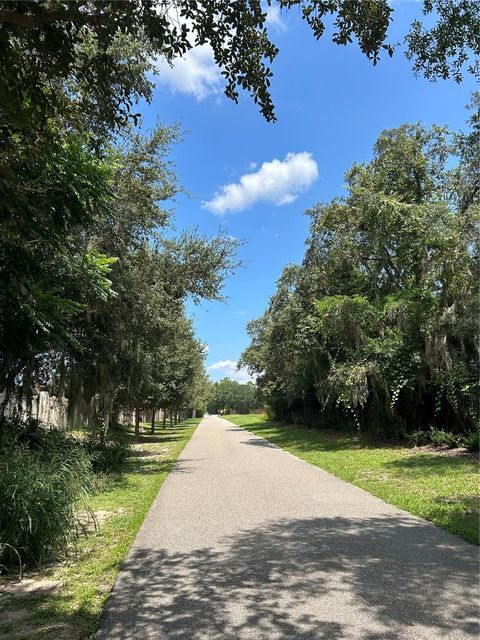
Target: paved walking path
246, 541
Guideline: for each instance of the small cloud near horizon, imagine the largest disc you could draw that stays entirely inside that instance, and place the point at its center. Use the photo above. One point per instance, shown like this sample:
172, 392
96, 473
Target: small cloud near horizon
228, 369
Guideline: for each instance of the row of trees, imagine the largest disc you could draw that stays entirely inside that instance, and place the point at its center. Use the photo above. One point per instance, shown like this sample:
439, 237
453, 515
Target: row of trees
92, 291
378, 327
93, 275
230, 396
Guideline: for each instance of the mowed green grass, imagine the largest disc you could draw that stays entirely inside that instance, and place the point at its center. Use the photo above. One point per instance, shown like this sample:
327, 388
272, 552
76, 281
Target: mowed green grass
75, 593
440, 488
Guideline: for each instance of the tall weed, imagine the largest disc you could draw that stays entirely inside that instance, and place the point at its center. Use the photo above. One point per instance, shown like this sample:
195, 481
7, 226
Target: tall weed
45, 477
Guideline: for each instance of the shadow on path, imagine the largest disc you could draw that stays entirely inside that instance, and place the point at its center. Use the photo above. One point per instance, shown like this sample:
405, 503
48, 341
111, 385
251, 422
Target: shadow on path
259, 442
382, 578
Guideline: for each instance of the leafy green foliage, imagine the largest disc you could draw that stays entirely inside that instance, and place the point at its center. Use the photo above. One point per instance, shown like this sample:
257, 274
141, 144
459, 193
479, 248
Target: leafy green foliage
436, 437
367, 21
444, 49
472, 440
92, 291
120, 340
146, 354
50, 271
377, 327
92, 288
89, 62
44, 478
418, 438
106, 455
228, 396
444, 438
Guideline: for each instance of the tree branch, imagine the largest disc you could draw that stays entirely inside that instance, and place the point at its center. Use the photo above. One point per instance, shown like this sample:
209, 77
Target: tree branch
75, 16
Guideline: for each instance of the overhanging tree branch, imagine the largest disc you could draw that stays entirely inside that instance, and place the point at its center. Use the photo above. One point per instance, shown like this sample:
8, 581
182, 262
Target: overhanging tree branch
43, 19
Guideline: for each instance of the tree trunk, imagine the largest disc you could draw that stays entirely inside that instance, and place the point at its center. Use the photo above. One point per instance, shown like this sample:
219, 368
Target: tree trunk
137, 424
152, 430
107, 411
164, 418
171, 419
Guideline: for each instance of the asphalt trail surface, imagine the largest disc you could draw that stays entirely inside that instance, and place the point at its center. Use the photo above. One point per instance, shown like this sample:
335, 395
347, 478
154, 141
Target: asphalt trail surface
246, 541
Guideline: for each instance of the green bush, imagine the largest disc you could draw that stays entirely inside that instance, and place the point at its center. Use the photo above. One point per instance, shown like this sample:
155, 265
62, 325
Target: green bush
418, 438
36, 436
472, 441
441, 438
437, 437
106, 455
25, 432
45, 476
41, 488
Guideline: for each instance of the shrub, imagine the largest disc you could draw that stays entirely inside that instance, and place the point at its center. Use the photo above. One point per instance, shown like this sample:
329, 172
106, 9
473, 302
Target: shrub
418, 438
106, 455
271, 413
437, 437
45, 475
442, 438
27, 432
40, 490
36, 436
472, 440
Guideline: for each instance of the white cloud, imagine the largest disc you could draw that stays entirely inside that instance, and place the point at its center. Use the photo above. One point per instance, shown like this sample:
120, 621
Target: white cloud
195, 73
228, 369
222, 365
277, 181
274, 18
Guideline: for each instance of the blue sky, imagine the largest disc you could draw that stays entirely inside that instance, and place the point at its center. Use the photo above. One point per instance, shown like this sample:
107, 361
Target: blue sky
331, 104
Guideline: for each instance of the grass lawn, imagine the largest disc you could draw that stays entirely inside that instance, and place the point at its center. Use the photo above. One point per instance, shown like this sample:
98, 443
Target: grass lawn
438, 487
65, 602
